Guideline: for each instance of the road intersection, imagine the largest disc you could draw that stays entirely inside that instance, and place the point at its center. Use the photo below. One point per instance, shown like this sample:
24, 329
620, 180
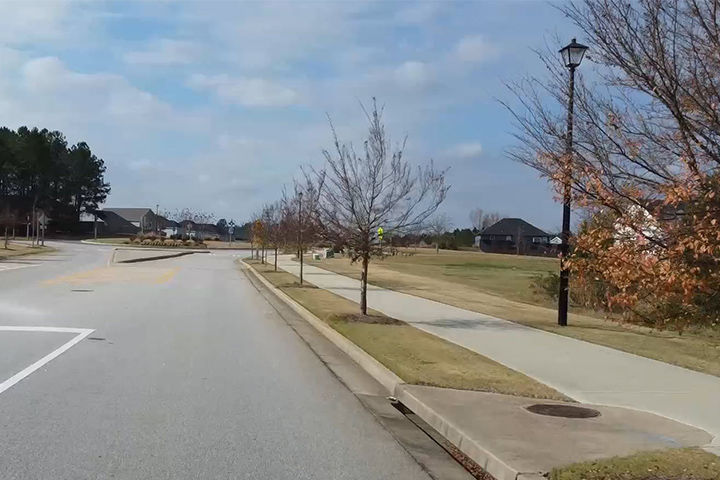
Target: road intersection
175, 369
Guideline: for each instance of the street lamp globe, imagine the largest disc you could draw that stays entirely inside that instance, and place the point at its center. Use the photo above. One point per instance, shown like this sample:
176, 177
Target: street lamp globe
573, 53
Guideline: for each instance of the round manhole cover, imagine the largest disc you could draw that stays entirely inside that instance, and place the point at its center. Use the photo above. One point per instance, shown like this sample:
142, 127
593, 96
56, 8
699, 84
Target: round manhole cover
565, 411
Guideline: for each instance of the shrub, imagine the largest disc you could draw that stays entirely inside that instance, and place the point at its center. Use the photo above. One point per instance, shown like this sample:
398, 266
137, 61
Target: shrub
147, 241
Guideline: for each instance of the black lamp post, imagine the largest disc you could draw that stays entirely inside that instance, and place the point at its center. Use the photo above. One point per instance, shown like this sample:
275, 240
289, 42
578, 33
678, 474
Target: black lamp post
572, 55
300, 250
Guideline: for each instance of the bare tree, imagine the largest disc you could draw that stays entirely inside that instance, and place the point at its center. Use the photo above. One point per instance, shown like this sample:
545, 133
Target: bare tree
489, 219
8, 219
437, 226
272, 221
359, 193
481, 220
476, 218
646, 153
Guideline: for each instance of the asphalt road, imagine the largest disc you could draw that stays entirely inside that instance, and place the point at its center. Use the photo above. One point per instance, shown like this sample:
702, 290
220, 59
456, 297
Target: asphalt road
188, 374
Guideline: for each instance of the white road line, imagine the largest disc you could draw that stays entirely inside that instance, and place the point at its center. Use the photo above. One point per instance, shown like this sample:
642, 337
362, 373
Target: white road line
81, 334
15, 266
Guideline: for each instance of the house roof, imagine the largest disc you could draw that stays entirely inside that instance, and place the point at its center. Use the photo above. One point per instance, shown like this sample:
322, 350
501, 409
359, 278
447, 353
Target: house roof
514, 226
165, 222
129, 214
118, 222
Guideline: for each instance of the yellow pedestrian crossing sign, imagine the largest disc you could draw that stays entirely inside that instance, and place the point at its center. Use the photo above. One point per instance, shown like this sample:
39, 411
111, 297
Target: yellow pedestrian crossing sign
380, 233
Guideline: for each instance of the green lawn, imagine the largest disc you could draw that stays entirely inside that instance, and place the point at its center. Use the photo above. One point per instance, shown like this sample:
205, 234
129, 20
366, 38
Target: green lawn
680, 464
500, 285
415, 356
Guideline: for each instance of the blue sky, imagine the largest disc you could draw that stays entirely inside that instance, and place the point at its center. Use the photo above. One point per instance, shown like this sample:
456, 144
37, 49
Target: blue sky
215, 105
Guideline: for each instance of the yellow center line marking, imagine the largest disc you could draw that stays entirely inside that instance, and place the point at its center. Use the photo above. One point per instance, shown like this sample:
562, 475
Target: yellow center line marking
117, 274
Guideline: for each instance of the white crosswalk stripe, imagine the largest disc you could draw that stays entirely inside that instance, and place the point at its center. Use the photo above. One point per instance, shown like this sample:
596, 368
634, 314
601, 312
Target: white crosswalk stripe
15, 266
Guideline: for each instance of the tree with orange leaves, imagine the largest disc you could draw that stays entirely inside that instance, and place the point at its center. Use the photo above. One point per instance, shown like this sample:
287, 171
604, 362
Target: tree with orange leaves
645, 166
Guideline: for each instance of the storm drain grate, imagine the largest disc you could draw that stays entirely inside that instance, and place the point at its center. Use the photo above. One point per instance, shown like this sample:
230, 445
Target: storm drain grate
565, 411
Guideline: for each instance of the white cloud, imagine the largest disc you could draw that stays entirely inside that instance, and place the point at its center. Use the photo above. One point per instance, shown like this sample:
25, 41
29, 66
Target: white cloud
250, 92
475, 49
465, 150
414, 75
165, 51
24, 21
100, 95
417, 14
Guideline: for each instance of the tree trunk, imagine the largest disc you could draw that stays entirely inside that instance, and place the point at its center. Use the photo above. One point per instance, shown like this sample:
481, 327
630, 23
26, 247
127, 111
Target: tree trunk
437, 246
276, 250
263, 254
363, 283
6, 237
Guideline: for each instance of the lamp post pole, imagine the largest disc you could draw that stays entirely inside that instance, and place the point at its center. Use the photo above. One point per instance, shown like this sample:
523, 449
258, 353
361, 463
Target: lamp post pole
300, 249
572, 55
565, 247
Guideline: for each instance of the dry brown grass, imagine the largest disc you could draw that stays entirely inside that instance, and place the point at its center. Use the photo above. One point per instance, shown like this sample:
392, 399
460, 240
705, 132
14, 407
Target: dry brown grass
19, 249
415, 356
679, 464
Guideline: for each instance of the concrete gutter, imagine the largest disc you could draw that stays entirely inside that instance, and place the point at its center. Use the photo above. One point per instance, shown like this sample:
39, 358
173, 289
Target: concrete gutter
396, 387
376, 369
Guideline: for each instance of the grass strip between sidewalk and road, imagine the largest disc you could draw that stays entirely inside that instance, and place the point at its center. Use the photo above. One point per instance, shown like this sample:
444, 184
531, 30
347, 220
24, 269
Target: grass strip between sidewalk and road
415, 356
20, 249
675, 464
500, 285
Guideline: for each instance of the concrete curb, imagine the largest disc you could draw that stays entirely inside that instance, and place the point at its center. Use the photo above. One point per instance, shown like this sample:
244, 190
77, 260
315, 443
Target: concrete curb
376, 369
395, 385
154, 257
470, 447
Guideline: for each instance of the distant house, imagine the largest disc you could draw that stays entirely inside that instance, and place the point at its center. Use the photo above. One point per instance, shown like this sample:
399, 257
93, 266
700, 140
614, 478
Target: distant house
167, 226
128, 221
514, 235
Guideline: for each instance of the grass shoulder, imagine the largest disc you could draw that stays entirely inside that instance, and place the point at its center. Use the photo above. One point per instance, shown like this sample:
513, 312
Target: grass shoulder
482, 288
21, 249
415, 356
675, 464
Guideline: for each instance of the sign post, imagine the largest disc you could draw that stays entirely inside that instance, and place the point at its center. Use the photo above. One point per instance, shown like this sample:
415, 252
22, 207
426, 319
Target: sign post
231, 231
42, 224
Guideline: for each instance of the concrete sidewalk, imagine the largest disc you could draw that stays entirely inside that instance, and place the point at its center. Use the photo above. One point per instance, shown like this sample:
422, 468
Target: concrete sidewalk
586, 372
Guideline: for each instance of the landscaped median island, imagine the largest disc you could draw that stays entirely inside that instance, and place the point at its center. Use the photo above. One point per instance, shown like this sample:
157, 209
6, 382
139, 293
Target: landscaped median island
153, 242
415, 356
170, 243
676, 464
501, 286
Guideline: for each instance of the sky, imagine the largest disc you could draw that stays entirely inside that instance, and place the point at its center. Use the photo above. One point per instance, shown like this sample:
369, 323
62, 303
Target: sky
215, 105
